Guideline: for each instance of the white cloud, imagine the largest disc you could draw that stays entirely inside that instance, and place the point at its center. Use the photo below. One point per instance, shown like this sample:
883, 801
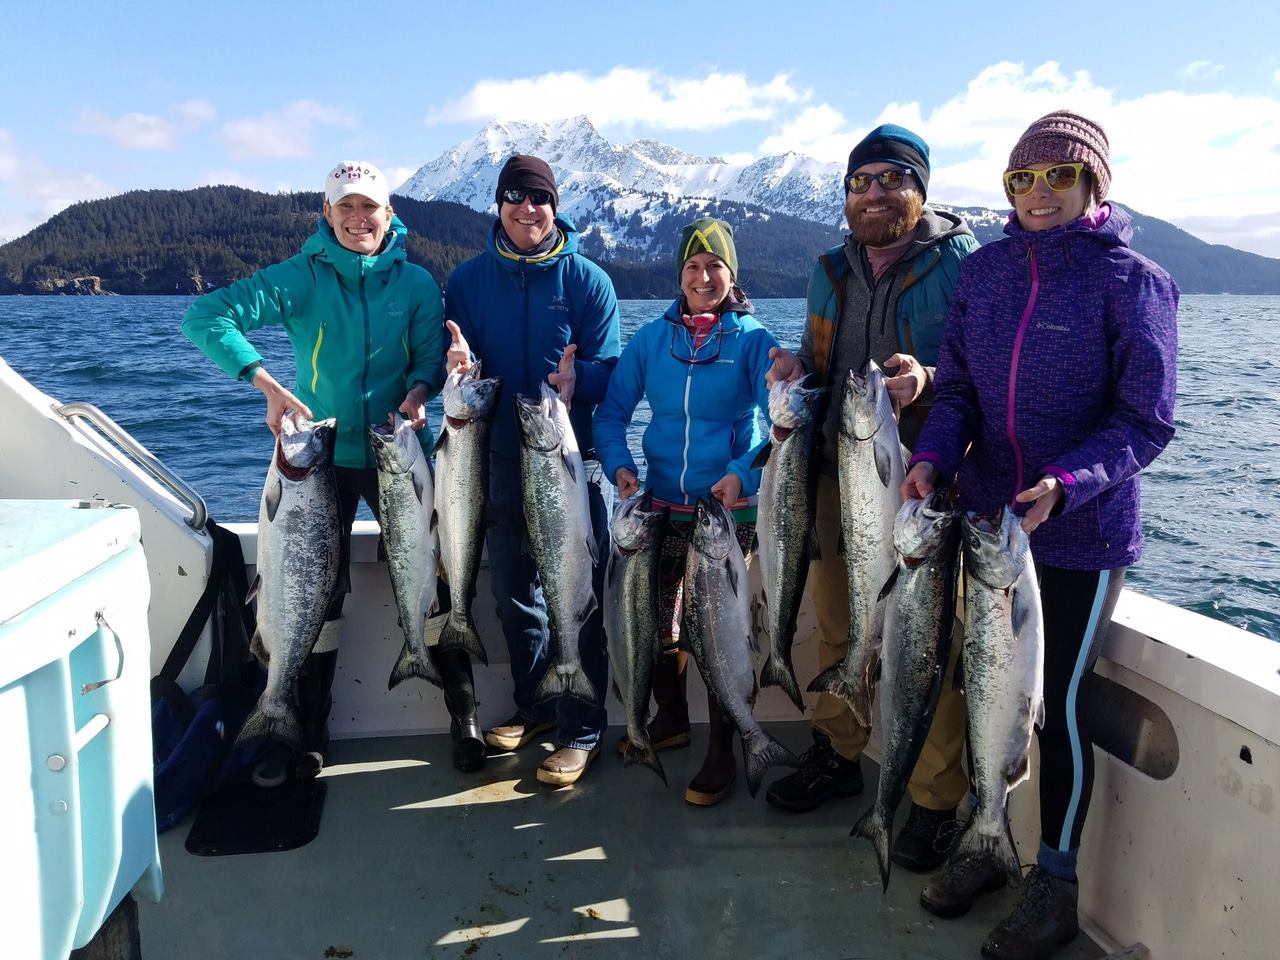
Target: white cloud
624, 96
1202, 70
32, 190
398, 175
143, 131
820, 131
285, 133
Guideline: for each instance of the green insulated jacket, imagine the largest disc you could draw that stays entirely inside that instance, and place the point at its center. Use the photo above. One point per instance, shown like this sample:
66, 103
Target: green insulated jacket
363, 329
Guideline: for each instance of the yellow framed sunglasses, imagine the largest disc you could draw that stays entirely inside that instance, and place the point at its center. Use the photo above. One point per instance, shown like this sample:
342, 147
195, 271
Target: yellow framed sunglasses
1059, 178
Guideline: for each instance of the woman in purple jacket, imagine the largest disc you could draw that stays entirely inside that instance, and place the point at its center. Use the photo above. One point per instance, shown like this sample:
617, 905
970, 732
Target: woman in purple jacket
1058, 366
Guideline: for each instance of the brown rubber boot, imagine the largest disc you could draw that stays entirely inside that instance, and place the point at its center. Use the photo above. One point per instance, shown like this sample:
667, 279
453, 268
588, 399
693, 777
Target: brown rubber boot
669, 728
711, 784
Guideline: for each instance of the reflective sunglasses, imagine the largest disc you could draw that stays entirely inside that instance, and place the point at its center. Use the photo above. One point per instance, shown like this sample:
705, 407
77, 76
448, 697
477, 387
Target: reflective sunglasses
694, 360
539, 198
1059, 178
888, 179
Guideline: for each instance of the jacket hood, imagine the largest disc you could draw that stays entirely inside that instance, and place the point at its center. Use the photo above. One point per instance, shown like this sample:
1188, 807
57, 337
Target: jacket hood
570, 245
728, 318
323, 245
1109, 224
934, 227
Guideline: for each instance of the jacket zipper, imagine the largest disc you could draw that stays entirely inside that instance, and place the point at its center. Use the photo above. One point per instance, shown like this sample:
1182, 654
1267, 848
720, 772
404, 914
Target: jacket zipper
688, 423
364, 375
1013, 374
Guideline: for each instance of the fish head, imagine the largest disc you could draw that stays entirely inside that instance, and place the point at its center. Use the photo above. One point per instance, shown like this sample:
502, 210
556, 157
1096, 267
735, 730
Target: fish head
636, 523
714, 532
792, 405
543, 420
305, 445
865, 404
395, 444
995, 548
468, 396
922, 527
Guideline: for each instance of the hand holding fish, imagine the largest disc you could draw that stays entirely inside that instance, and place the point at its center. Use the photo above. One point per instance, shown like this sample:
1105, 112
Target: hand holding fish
279, 400
786, 366
919, 481
414, 406
911, 379
627, 483
566, 376
727, 489
1046, 495
459, 354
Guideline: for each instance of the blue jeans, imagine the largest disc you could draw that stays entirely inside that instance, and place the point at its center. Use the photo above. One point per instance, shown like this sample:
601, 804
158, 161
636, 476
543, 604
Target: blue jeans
522, 608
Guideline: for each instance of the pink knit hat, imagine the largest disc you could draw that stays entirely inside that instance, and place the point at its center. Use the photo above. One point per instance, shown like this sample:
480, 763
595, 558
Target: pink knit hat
1063, 136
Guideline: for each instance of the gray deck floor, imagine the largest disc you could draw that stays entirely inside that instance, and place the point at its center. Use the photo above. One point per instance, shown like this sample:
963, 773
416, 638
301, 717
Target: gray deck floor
415, 860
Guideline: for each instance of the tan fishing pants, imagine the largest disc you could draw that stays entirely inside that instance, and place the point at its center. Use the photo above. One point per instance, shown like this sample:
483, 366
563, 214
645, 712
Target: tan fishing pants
938, 781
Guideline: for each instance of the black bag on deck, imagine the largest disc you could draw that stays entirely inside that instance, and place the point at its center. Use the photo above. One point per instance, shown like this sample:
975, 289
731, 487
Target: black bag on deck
192, 736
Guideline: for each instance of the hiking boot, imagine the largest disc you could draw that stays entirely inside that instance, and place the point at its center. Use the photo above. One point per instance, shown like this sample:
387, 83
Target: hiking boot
566, 765
1043, 920
955, 890
823, 774
515, 733
925, 838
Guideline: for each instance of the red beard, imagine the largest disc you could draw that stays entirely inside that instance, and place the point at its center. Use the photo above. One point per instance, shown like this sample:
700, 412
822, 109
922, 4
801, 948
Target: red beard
905, 208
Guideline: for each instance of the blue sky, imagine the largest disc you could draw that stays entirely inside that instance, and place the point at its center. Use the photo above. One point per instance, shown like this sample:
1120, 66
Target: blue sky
103, 98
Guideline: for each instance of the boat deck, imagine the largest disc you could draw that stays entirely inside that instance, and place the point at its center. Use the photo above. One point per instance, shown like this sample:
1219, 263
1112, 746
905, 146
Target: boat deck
416, 860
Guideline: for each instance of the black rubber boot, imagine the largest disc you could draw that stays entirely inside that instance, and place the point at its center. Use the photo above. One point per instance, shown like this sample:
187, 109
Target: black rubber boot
460, 698
669, 728
711, 783
315, 684
823, 774
1044, 919
925, 838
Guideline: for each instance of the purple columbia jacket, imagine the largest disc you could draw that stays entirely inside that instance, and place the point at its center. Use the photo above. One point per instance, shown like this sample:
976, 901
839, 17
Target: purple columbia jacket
1059, 357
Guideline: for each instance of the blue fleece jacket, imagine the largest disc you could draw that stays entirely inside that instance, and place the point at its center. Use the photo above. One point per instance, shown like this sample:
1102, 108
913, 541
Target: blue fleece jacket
704, 414
518, 314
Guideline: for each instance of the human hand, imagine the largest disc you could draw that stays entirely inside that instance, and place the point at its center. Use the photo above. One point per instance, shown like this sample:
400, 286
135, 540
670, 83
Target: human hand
919, 481
1046, 495
279, 400
627, 482
908, 381
414, 406
727, 489
566, 376
786, 366
459, 354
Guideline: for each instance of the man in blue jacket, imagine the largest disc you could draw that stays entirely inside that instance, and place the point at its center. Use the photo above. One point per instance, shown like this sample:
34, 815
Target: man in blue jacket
882, 295
531, 308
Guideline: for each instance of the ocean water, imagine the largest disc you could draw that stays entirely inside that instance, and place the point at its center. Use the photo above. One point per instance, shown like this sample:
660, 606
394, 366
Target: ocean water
1211, 511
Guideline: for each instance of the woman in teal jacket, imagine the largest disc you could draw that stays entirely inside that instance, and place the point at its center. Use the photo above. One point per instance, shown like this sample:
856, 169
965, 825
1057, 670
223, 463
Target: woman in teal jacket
366, 327
701, 365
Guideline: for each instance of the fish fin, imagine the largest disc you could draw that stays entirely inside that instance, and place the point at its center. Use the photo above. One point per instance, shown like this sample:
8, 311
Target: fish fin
587, 609
286, 729
832, 681
761, 752
732, 574
611, 572
1037, 713
440, 440
412, 665
1018, 771
1022, 612
461, 634
645, 755
1001, 849
271, 497
581, 687
259, 649
872, 827
593, 551
253, 588
884, 459
568, 464
778, 673
888, 584
762, 457
551, 686
617, 691
418, 487
815, 548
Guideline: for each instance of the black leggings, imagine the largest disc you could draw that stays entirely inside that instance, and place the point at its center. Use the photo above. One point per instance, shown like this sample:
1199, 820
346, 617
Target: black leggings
1077, 612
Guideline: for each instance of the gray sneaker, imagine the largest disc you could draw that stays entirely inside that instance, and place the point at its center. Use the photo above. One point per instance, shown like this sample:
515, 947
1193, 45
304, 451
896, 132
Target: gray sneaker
952, 892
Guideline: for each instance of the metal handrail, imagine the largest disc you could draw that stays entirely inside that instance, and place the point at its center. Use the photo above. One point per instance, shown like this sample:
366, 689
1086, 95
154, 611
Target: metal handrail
142, 456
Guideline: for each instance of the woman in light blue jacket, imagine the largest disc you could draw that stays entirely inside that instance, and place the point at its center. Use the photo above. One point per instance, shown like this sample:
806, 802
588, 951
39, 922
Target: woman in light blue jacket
701, 365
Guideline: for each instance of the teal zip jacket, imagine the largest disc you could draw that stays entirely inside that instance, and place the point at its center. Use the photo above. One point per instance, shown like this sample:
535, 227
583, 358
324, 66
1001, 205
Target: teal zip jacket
363, 329
519, 313
704, 414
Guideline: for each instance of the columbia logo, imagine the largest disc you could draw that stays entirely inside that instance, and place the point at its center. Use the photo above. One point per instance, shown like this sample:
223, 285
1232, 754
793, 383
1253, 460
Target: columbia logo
1060, 327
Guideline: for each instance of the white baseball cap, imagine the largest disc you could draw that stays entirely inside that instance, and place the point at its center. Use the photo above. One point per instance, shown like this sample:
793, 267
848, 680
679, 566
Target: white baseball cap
357, 176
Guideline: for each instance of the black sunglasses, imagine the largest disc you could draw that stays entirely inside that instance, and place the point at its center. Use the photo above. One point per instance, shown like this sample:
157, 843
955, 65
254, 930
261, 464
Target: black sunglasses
694, 360
539, 198
888, 179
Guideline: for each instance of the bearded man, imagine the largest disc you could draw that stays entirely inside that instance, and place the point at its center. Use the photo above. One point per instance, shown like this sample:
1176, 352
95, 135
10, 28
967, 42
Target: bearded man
882, 295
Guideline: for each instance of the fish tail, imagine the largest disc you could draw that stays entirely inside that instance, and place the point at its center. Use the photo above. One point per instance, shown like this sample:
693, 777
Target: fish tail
461, 634
552, 685
873, 827
778, 673
761, 752
998, 847
259, 725
412, 665
644, 754
580, 686
832, 681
